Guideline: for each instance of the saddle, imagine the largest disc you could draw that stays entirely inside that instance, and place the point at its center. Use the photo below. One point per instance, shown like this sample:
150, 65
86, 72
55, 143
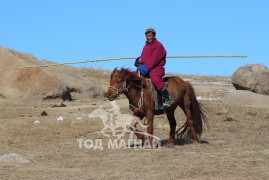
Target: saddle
157, 96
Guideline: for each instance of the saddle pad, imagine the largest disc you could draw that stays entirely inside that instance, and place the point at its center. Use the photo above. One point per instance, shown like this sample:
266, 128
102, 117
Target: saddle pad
158, 100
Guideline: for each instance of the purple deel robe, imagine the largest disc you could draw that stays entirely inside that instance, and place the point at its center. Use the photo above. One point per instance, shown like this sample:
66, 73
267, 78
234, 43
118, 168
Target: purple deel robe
153, 57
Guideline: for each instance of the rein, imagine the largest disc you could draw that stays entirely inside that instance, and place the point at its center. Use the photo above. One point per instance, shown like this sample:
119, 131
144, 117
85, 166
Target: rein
140, 102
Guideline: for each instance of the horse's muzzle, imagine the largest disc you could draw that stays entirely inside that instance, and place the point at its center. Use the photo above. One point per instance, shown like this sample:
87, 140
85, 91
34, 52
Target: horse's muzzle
110, 95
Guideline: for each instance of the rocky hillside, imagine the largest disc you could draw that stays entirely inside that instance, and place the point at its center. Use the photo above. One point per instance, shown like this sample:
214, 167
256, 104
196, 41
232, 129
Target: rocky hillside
41, 83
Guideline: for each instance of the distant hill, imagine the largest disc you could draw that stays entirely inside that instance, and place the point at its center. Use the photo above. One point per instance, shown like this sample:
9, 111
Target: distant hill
41, 83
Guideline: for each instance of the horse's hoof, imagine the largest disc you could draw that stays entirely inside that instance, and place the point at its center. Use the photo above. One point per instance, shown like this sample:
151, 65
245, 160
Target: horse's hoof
170, 145
196, 142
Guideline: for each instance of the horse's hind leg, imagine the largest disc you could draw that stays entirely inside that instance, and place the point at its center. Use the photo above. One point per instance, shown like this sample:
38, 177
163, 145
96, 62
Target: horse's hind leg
172, 122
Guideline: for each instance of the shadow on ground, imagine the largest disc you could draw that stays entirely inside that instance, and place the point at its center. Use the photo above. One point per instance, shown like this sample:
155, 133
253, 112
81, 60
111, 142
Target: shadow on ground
182, 141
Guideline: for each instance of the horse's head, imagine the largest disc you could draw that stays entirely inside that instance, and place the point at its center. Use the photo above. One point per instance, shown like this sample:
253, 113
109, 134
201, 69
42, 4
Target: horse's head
122, 80
117, 85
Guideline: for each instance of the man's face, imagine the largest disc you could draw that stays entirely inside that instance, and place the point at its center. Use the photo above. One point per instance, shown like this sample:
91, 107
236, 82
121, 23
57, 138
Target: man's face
150, 37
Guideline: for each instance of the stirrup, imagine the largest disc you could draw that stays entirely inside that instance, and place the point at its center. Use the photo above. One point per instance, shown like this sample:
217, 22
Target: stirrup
167, 104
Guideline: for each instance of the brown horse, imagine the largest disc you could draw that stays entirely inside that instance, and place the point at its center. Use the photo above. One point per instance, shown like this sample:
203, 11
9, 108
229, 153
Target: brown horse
141, 101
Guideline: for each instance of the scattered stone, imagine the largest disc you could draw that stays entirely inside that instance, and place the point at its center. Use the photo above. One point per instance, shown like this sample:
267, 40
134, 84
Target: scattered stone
229, 119
13, 158
60, 118
266, 117
252, 77
252, 114
44, 113
62, 105
37, 122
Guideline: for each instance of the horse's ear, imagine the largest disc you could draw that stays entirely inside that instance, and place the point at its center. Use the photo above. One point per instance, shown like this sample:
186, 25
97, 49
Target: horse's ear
115, 70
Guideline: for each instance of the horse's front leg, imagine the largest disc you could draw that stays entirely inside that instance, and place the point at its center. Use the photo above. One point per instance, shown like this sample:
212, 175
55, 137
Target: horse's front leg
134, 128
149, 116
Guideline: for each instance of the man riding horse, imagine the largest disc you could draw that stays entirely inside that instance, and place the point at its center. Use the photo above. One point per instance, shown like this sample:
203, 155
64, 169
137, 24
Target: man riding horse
140, 98
151, 63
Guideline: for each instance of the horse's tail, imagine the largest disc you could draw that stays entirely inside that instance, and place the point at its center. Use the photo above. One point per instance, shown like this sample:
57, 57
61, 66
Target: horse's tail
197, 113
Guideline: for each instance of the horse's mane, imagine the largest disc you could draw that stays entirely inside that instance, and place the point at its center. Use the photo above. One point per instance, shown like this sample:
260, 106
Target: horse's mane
133, 77
129, 74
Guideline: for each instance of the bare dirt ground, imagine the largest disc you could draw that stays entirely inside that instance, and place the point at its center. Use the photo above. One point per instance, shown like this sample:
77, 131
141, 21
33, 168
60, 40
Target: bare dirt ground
234, 146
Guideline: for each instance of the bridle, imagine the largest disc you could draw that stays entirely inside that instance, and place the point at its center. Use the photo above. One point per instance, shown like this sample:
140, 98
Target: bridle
120, 90
125, 88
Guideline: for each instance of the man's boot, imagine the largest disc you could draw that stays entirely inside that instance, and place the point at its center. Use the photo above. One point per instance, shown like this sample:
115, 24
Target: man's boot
167, 99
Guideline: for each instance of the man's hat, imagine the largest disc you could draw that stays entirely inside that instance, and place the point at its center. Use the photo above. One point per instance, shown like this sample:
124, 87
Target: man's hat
150, 30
